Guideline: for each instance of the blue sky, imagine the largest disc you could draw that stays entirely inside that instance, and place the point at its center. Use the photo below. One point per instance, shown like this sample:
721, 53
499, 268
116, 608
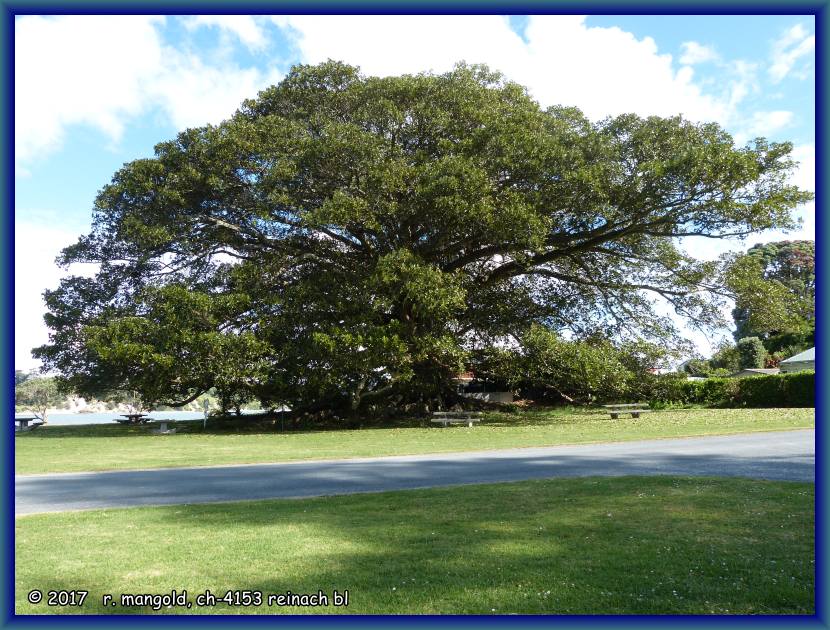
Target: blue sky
94, 92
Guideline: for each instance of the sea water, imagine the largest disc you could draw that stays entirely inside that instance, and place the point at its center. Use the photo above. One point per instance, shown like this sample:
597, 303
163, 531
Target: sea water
109, 417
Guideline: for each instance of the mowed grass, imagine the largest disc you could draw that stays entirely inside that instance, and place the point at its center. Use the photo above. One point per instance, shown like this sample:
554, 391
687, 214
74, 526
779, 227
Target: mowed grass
568, 546
117, 447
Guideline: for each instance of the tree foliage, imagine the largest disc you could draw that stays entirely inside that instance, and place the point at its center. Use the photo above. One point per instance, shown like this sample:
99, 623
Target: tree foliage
775, 289
558, 369
726, 358
751, 353
344, 240
20, 376
37, 395
704, 368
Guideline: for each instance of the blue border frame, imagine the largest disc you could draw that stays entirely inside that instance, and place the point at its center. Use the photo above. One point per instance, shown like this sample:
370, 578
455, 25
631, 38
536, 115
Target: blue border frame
10, 9
822, 24
6, 308
407, 7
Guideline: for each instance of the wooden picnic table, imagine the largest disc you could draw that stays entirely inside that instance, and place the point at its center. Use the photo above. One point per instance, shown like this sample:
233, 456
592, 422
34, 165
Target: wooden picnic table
22, 422
635, 409
133, 418
456, 417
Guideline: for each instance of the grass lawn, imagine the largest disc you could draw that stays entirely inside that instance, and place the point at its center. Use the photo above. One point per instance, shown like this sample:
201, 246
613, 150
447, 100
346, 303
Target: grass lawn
579, 546
117, 447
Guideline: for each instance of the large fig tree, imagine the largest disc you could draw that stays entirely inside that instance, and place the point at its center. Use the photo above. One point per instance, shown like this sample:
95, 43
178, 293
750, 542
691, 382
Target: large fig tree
345, 240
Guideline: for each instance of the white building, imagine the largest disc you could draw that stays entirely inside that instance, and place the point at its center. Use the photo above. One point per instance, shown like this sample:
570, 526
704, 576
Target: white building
802, 361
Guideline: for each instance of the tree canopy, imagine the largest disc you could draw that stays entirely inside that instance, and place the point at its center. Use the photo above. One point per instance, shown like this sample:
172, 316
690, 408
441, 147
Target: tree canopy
775, 289
344, 239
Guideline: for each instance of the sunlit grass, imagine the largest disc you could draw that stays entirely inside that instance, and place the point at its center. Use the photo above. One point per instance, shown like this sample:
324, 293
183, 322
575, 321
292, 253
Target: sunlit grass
116, 447
568, 546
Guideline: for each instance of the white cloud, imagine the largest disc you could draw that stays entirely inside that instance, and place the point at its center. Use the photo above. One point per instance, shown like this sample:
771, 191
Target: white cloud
245, 27
193, 93
807, 214
805, 176
743, 83
694, 53
35, 247
79, 69
395, 44
604, 71
794, 44
767, 123
103, 71
63, 78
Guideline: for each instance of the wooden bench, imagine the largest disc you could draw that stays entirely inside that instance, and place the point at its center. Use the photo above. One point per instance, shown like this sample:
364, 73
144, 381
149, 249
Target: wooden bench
635, 409
456, 417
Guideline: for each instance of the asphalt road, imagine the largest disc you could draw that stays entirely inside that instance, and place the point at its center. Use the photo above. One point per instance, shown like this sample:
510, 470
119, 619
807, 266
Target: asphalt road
785, 455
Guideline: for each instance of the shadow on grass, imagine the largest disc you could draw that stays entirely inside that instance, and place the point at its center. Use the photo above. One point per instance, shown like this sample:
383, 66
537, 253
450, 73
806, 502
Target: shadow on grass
195, 427
579, 546
274, 423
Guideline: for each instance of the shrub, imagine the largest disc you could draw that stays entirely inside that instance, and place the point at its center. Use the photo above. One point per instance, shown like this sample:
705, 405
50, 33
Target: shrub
779, 390
799, 388
760, 391
751, 352
718, 392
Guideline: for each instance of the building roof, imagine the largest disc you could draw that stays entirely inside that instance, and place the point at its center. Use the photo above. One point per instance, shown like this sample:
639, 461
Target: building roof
758, 371
807, 355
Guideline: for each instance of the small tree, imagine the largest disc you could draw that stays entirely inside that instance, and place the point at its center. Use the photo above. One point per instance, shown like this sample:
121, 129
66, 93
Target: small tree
751, 352
37, 395
726, 358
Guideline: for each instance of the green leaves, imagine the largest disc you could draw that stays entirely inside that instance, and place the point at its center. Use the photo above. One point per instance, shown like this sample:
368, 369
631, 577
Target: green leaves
37, 395
550, 367
774, 288
425, 291
751, 352
345, 238
577, 369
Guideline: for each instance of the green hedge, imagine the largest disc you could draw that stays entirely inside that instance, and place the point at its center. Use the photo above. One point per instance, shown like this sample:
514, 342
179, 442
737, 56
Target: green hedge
778, 390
